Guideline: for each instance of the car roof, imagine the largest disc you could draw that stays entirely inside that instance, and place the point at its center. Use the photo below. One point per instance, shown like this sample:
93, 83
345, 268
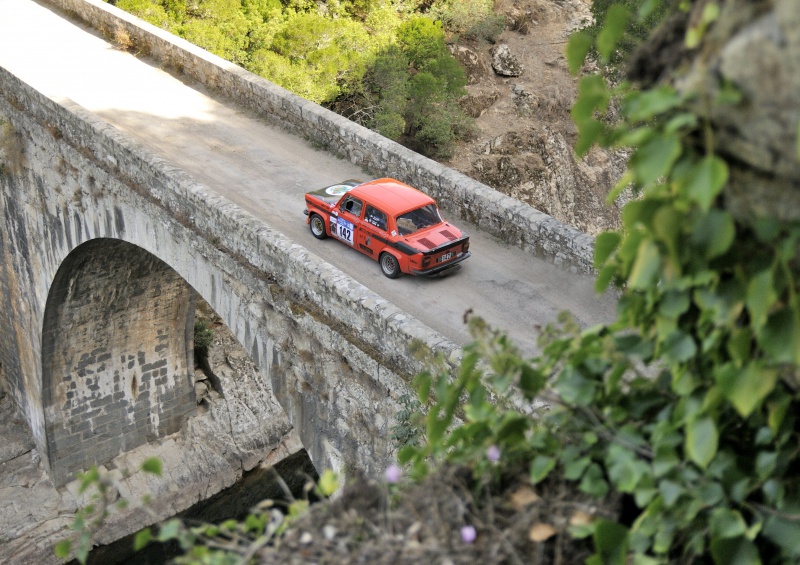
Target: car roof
392, 196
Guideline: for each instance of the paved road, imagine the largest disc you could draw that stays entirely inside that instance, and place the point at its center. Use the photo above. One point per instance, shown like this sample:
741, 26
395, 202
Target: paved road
266, 171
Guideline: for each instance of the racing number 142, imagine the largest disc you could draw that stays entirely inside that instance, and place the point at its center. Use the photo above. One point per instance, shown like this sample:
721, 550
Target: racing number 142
345, 231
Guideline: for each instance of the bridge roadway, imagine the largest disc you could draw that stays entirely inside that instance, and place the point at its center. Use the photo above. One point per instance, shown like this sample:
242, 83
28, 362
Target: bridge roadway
266, 171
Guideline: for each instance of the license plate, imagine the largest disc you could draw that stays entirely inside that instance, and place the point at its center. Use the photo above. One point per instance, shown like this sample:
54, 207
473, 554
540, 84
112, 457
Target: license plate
445, 257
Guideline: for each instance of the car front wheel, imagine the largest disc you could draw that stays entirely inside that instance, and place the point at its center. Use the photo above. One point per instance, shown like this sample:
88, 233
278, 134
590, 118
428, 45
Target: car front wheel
389, 265
317, 226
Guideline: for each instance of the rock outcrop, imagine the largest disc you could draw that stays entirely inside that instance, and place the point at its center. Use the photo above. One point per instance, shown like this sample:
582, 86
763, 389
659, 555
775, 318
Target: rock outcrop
504, 62
752, 53
520, 92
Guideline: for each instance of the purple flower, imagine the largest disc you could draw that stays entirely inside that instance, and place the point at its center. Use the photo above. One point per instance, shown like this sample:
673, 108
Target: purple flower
493, 453
393, 473
468, 534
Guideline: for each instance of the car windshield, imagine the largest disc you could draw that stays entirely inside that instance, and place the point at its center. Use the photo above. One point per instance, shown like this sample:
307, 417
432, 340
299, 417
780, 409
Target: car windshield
418, 219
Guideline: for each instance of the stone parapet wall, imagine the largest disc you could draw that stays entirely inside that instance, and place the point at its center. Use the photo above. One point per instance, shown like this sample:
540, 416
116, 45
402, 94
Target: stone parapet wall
277, 297
505, 217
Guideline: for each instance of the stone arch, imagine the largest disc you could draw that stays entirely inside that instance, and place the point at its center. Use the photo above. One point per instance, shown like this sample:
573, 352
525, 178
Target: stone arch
116, 355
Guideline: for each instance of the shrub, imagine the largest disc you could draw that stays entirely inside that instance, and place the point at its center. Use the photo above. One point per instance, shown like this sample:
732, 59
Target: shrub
203, 335
262, 10
471, 19
147, 10
413, 90
358, 58
326, 54
636, 30
421, 40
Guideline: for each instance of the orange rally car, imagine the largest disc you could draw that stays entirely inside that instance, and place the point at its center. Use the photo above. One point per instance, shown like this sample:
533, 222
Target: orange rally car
391, 222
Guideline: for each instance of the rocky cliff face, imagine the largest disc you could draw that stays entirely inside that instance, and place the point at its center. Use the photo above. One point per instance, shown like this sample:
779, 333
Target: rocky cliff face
520, 92
753, 52
233, 436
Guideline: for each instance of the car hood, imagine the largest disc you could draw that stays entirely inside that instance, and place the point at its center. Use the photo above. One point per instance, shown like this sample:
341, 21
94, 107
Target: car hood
435, 237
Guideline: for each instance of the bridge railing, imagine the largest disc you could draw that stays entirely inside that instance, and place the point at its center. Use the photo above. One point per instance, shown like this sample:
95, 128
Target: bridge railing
309, 283
507, 218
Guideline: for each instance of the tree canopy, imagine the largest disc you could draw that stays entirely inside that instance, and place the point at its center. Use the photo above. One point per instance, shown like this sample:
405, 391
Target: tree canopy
382, 64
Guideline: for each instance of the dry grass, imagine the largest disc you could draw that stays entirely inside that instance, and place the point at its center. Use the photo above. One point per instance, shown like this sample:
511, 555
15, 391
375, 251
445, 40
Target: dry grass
515, 523
122, 39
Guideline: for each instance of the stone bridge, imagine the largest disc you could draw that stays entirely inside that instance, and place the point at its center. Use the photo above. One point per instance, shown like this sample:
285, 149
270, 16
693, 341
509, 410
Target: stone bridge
105, 249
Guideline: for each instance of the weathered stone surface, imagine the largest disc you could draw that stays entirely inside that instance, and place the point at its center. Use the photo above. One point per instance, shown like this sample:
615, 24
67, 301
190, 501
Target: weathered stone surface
539, 167
525, 100
331, 350
246, 284
470, 61
477, 105
753, 48
762, 60
534, 109
17, 443
115, 381
211, 452
504, 62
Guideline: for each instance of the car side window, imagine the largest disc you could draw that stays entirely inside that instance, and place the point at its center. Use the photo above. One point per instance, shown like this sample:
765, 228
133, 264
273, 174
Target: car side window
353, 206
375, 217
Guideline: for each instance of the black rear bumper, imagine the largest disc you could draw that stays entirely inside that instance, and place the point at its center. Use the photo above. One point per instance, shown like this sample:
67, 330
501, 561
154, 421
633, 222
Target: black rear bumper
442, 270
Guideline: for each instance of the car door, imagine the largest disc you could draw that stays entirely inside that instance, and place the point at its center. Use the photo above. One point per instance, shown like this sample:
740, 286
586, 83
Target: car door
372, 235
348, 221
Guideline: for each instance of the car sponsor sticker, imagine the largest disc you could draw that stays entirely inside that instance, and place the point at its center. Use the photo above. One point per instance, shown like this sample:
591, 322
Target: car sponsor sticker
344, 230
338, 189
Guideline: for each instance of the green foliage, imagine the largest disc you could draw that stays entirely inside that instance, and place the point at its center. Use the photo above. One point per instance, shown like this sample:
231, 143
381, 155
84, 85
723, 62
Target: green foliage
413, 90
233, 541
383, 20
421, 40
147, 10
619, 26
327, 54
359, 57
466, 397
90, 518
262, 11
695, 33
408, 430
237, 541
361, 9
410, 92
203, 335
688, 404
386, 92
470, 19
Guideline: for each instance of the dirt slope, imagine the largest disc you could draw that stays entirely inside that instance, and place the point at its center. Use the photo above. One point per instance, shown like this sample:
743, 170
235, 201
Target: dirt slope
525, 137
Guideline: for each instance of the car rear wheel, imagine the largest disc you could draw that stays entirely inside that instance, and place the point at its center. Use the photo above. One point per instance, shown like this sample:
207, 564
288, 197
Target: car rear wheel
317, 226
389, 265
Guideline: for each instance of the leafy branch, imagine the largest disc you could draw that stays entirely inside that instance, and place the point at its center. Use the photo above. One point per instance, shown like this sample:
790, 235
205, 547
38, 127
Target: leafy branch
703, 441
